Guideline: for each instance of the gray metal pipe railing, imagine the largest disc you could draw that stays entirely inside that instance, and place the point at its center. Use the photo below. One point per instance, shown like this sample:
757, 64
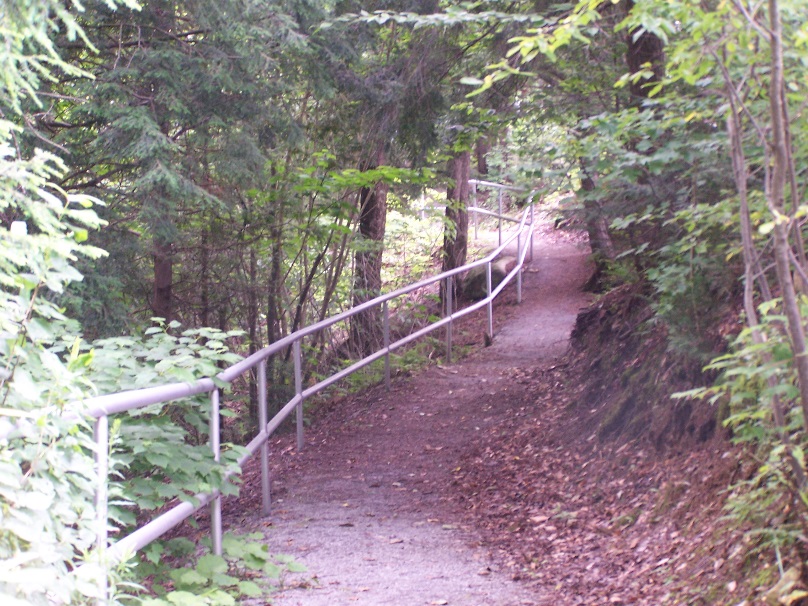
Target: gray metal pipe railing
497, 186
101, 407
500, 187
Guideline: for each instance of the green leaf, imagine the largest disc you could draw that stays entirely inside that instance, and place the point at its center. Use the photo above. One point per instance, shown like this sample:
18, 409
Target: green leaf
210, 564
221, 598
296, 567
187, 578
153, 552
185, 598
250, 589
224, 580
272, 570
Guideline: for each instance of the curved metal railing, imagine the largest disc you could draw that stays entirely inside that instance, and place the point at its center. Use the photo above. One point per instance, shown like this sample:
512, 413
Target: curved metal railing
102, 407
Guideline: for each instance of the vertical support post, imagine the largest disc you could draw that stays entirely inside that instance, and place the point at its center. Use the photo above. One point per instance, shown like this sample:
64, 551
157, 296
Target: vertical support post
499, 203
101, 512
299, 392
216, 504
263, 419
488, 282
476, 214
386, 329
519, 260
532, 227
449, 305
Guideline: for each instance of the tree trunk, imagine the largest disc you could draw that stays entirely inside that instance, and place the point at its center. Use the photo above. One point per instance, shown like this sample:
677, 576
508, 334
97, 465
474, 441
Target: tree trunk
643, 50
778, 180
204, 280
456, 232
481, 149
275, 283
338, 257
252, 327
600, 241
366, 327
274, 294
163, 259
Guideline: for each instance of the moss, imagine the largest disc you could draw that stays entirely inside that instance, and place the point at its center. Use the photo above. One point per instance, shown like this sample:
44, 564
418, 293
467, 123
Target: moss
670, 495
765, 577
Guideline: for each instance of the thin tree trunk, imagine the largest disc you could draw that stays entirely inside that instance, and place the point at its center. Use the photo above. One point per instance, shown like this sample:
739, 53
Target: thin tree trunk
481, 149
308, 281
456, 232
752, 268
252, 327
163, 260
600, 241
274, 294
338, 257
366, 327
204, 280
776, 199
274, 286
644, 49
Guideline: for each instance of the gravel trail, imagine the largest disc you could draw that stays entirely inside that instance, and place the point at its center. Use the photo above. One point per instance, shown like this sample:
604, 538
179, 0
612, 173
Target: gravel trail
368, 507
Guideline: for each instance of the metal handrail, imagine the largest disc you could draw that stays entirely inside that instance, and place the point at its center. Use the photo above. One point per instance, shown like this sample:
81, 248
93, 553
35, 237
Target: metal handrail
101, 407
500, 189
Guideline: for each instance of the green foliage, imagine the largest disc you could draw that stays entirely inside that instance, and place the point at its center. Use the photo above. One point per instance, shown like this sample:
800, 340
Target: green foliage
694, 274
29, 55
411, 243
161, 452
754, 378
659, 172
121, 363
180, 577
47, 470
47, 474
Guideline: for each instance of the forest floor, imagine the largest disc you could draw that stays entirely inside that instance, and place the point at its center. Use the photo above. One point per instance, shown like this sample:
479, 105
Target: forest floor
483, 482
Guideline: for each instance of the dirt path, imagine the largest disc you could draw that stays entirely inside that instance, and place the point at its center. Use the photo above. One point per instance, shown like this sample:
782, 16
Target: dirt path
368, 506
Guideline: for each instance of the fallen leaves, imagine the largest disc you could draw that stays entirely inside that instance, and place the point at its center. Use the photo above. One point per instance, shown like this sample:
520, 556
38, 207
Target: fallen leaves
580, 517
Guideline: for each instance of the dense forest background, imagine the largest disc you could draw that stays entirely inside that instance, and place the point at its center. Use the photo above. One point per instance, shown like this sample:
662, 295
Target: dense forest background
178, 180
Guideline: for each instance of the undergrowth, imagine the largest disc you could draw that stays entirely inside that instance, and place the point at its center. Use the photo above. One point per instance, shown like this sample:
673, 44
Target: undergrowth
178, 574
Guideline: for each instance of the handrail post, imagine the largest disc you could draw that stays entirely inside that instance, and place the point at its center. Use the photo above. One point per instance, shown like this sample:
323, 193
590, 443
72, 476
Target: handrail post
488, 283
299, 392
499, 219
519, 285
263, 419
519, 259
449, 294
216, 504
386, 329
101, 435
531, 232
476, 214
